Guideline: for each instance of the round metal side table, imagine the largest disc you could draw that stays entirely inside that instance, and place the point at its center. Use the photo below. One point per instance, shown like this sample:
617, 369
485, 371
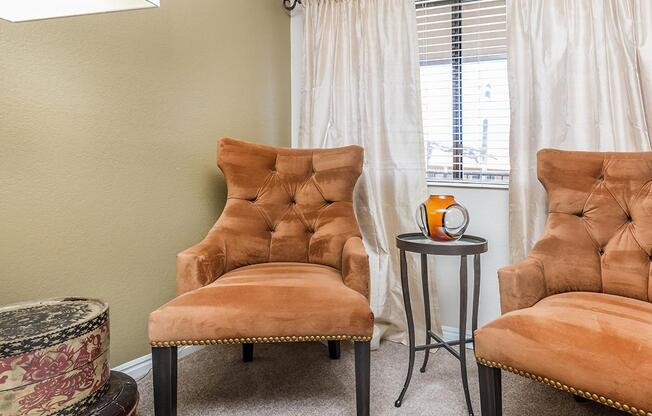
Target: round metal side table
466, 246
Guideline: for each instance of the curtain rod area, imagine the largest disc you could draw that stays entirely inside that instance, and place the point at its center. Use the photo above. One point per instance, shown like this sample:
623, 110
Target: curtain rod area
290, 4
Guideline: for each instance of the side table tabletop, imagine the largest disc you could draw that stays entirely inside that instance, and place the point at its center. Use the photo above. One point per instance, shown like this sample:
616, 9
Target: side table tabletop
466, 246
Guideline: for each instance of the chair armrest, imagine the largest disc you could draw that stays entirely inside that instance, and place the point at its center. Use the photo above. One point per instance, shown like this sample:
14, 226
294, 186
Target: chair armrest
355, 266
521, 285
202, 263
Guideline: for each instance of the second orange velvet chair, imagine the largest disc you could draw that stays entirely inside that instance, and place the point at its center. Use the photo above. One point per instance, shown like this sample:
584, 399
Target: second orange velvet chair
577, 312
284, 263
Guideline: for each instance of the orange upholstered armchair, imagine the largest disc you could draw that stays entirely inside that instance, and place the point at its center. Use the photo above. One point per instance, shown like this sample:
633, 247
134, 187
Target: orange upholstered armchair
284, 263
577, 313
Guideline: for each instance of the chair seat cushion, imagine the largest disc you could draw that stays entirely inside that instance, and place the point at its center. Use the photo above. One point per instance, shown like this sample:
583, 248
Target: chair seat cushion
593, 342
269, 302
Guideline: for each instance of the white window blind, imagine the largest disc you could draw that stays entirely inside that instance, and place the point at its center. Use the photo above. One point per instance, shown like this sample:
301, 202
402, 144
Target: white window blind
464, 90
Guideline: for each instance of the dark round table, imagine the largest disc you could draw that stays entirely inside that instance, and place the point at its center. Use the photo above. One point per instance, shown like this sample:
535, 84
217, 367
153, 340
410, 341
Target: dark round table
468, 245
120, 399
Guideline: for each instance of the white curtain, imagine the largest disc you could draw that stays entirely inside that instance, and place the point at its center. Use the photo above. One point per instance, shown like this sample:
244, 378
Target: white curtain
580, 78
361, 86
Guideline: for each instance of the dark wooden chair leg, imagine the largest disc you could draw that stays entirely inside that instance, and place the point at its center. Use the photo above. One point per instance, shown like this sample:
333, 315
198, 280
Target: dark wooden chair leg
247, 352
491, 395
164, 367
334, 350
362, 376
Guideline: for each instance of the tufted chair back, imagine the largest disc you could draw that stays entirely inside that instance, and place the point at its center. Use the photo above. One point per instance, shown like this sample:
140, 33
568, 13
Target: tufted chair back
292, 205
598, 236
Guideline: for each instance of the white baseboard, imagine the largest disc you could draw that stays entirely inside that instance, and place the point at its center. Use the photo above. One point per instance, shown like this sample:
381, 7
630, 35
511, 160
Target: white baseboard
139, 367
451, 333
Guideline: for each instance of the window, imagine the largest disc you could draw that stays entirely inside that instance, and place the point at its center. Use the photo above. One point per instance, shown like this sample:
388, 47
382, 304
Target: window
464, 91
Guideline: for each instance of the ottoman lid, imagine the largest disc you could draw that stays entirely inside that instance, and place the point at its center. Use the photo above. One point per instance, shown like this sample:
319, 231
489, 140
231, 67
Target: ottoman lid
31, 326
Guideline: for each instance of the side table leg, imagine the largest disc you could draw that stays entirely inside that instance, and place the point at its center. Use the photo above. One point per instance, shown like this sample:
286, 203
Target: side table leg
463, 309
426, 305
476, 293
410, 324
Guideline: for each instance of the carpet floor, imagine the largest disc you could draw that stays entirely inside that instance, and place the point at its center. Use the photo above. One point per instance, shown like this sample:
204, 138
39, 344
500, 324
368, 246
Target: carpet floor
300, 379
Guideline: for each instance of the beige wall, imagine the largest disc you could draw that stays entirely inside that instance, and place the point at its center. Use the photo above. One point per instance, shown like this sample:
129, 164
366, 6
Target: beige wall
108, 126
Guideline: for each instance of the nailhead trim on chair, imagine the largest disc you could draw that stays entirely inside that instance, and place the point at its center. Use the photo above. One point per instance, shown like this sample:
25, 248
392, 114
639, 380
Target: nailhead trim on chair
560, 386
260, 340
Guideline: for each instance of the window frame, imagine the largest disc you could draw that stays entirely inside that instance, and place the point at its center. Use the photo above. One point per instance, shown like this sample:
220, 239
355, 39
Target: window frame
456, 62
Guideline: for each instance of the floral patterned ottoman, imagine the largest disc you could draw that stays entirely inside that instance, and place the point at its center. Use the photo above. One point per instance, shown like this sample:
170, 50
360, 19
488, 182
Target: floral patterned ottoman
54, 357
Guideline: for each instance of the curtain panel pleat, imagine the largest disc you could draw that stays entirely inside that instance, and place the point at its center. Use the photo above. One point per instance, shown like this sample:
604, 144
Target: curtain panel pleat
361, 86
580, 78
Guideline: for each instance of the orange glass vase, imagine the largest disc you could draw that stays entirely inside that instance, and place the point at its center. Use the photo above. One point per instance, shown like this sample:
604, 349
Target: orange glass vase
441, 218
